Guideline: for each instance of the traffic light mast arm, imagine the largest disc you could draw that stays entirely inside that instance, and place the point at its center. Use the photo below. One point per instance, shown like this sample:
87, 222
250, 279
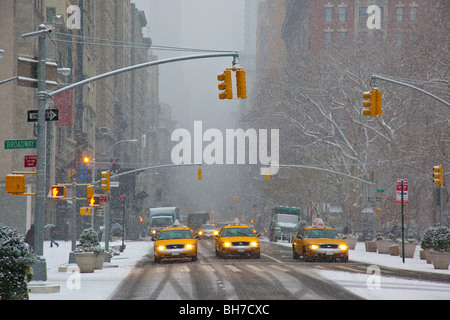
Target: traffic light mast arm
383, 78
233, 54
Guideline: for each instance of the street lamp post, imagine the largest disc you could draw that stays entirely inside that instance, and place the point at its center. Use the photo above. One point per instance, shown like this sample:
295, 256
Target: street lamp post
40, 266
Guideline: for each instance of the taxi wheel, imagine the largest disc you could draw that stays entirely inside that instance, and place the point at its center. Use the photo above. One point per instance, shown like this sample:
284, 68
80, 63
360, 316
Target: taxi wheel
157, 260
304, 255
295, 254
194, 258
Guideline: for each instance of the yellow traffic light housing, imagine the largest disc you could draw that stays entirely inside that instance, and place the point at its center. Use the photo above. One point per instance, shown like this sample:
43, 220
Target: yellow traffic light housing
86, 211
225, 85
58, 192
241, 84
106, 181
89, 191
438, 175
15, 183
372, 105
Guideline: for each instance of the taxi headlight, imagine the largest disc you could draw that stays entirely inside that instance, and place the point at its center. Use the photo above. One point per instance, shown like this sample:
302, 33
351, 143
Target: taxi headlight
160, 248
216, 232
314, 246
153, 231
189, 246
200, 233
227, 244
343, 247
254, 244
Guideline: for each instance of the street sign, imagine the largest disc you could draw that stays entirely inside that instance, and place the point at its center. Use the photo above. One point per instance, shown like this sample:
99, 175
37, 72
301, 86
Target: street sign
20, 144
399, 191
30, 161
103, 200
50, 115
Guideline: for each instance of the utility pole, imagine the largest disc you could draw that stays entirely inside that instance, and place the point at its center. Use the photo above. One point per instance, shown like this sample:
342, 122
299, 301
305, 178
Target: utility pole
40, 266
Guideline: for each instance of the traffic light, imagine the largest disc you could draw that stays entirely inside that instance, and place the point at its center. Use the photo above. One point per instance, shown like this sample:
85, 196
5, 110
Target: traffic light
15, 183
372, 105
58, 192
225, 85
438, 175
241, 84
106, 180
94, 201
89, 191
86, 211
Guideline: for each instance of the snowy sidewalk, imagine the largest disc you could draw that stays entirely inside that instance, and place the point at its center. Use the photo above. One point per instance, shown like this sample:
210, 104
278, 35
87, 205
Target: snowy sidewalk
89, 286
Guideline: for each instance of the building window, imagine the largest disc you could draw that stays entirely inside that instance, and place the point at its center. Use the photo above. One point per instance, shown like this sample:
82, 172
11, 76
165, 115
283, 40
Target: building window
363, 15
413, 14
342, 14
328, 14
399, 14
328, 38
342, 35
50, 14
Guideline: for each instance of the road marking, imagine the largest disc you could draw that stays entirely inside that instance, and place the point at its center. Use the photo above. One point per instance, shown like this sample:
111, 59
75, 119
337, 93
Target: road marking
279, 268
232, 268
255, 268
185, 269
207, 267
276, 260
160, 269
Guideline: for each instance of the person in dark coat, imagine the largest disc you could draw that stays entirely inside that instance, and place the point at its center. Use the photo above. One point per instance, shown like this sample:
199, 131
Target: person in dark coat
52, 237
29, 238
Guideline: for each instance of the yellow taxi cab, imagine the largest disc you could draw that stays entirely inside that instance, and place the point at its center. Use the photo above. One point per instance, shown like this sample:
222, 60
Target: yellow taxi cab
207, 231
317, 242
175, 242
237, 239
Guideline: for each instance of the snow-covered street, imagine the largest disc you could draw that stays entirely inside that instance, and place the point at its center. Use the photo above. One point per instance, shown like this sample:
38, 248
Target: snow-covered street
101, 284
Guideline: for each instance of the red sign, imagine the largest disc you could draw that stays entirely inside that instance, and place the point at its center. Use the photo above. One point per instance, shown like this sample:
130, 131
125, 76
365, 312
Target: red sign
30, 161
64, 103
399, 191
103, 199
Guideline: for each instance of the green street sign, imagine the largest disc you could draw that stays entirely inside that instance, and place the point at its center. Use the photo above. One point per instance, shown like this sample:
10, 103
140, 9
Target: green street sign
380, 190
20, 144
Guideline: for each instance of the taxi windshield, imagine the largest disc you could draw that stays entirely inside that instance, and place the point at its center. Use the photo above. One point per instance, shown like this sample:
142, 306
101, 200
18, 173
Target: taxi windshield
207, 227
321, 233
238, 232
175, 234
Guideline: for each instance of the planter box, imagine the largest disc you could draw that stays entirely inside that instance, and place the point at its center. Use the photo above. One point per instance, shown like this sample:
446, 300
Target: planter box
440, 259
351, 242
99, 259
383, 246
371, 246
393, 250
410, 248
85, 261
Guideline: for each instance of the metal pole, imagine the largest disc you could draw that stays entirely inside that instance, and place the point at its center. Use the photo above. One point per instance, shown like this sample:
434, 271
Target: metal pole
106, 231
40, 268
403, 229
412, 87
74, 223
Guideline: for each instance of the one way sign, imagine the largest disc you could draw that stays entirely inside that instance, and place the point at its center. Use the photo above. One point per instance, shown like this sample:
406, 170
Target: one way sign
50, 115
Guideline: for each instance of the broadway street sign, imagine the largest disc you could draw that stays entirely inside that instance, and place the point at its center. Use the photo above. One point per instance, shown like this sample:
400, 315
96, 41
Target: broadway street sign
20, 144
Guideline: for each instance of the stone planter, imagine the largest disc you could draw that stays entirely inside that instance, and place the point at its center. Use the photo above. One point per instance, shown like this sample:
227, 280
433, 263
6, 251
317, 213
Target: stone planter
426, 253
440, 259
393, 250
410, 248
383, 246
85, 261
99, 259
371, 246
351, 242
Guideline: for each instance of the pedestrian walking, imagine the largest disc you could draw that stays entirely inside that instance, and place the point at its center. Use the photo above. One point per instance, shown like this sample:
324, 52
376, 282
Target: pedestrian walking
29, 238
52, 237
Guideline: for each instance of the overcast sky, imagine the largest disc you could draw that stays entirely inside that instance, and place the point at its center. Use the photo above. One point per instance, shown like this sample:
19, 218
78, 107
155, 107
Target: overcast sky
191, 87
